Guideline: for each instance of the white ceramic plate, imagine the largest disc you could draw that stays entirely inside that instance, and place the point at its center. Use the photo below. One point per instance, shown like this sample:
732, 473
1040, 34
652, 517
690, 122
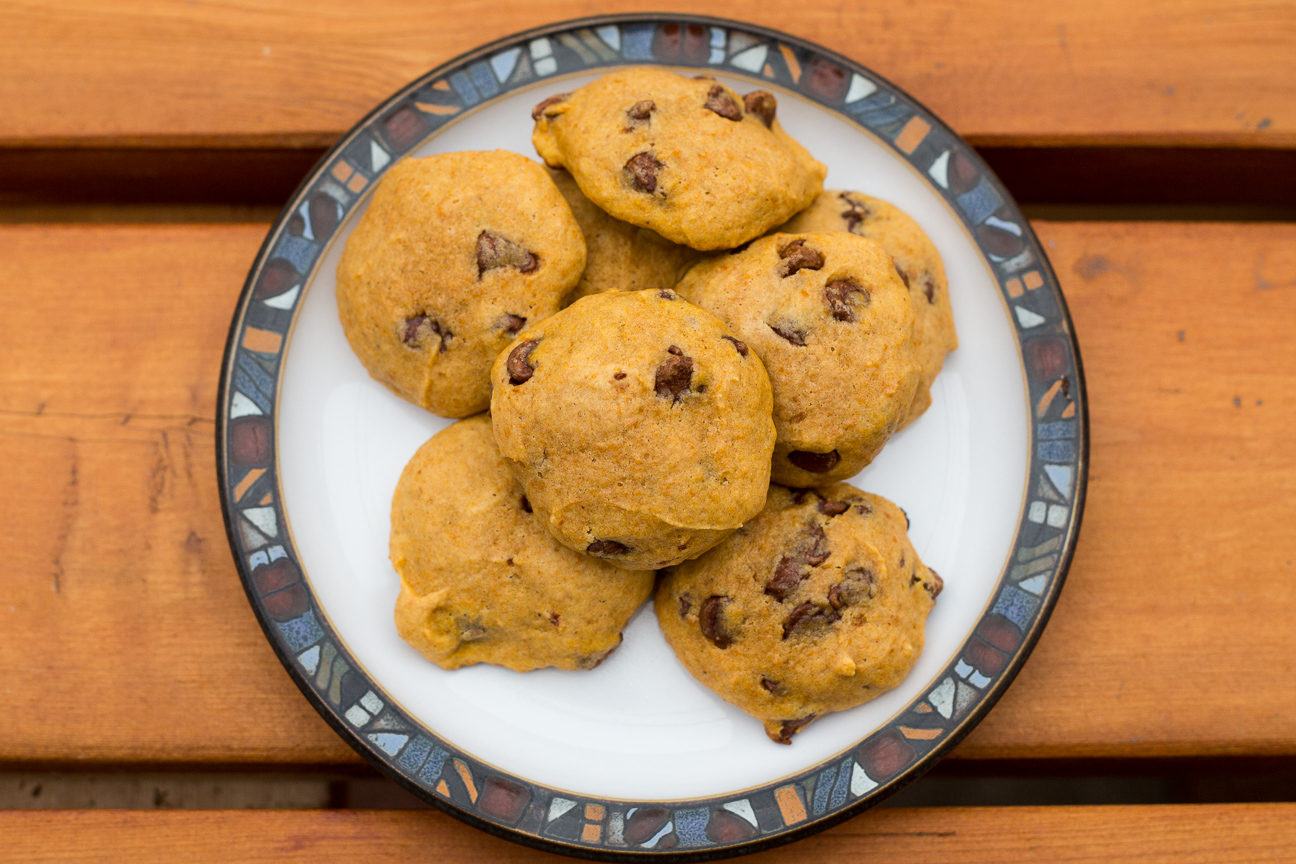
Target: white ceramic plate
588, 762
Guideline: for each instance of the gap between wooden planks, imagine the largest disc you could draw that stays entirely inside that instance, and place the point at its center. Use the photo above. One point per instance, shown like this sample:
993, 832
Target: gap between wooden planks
126, 637
291, 73
984, 835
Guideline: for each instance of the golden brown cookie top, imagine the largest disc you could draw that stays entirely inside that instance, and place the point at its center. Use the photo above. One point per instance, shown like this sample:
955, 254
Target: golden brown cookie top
455, 254
818, 604
686, 157
834, 324
640, 404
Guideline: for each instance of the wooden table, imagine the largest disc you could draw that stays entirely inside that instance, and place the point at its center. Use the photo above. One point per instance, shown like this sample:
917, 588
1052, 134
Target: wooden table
126, 641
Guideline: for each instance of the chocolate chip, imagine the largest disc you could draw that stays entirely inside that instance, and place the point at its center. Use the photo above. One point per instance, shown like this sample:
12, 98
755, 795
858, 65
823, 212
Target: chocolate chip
552, 100
606, 548
470, 629
934, 584
513, 323
494, 251
593, 661
554, 618
815, 463
904, 277
807, 617
814, 546
788, 728
641, 110
864, 509
719, 101
667, 294
711, 620
674, 375
771, 686
840, 297
790, 333
420, 327
929, 287
787, 576
906, 515
685, 605
854, 214
526, 505
799, 495
618, 376
763, 104
739, 346
858, 585
833, 508
643, 168
796, 257
519, 362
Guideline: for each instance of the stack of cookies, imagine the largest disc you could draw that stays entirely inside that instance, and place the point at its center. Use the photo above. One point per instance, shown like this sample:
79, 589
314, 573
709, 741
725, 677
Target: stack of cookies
642, 336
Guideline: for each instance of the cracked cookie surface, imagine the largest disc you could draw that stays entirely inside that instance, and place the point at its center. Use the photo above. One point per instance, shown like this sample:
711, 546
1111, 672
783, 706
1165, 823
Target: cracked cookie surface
638, 424
455, 254
482, 581
917, 262
686, 157
833, 322
818, 604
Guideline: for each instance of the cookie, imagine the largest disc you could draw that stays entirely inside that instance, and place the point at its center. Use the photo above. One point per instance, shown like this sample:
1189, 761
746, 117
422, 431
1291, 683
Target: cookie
818, 604
620, 256
917, 262
481, 581
834, 324
638, 424
456, 253
686, 157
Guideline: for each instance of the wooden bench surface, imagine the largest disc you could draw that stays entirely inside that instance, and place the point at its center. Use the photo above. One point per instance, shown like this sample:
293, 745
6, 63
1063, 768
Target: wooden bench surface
1218, 834
155, 73
128, 639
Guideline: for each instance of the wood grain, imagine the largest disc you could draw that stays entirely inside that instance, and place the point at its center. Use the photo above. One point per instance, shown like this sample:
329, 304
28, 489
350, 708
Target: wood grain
287, 72
126, 636
1220, 834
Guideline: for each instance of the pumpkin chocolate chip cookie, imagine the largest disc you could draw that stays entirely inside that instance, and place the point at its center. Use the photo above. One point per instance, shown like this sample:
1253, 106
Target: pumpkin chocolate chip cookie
456, 253
638, 424
917, 262
685, 157
833, 323
481, 581
818, 604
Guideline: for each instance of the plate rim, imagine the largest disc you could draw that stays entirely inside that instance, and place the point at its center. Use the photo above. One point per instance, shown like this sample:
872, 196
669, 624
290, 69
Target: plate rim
918, 763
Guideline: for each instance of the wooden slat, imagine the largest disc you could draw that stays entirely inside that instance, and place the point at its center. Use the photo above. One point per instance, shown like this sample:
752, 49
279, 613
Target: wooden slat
127, 638
1204, 72
1220, 834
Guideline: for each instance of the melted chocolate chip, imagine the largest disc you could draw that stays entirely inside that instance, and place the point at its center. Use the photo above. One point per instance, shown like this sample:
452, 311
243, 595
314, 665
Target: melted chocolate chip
929, 287
815, 546
934, 584
618, 376
667, 294
526, 505
513, 323
538, 110
769, 685
906, 515
864, 509
470, 629
807, 617
674, 376
606, 548
519, 362
739, 346
494, 252
720, 102
763, 104
595, 660
790, 333
787, 576
788, 728
797, 257
840, 297
685, 605
419, 328
641, 110
858, 585
815, 463
854, 214
554, 618
711, 620
833, 508
643, 168
904, 277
